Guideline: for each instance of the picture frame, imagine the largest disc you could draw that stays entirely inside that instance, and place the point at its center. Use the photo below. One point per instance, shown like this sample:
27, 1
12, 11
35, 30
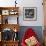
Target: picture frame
5, 12
30, 13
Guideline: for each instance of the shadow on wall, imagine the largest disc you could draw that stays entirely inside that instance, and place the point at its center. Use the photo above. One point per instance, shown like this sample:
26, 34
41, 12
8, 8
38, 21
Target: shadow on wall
37, 29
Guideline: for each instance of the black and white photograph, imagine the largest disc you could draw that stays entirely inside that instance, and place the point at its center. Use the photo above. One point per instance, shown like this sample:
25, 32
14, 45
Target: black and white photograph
29, 13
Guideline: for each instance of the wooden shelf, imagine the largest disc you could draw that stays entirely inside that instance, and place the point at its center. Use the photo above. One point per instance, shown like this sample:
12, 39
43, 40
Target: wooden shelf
4, 13
10, 43
9, 9
11, 26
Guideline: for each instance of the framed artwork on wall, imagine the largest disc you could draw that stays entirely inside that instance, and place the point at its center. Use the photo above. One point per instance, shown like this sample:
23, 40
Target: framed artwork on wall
30, 13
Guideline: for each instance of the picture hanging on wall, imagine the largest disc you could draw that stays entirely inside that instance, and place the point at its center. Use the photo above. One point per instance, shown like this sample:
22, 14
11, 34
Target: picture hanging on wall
29, 13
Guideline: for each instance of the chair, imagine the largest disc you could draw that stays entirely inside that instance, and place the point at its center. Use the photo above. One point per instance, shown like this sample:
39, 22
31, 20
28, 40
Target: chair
28, 34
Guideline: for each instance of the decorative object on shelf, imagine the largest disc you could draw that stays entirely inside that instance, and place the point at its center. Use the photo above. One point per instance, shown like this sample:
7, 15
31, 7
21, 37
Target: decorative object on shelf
6, 21
13, 12
5, 12
15, 30
15, 34
7, 34
15, 37
29, 13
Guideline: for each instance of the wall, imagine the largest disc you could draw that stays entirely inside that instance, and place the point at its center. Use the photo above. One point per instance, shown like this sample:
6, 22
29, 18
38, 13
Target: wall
38, 5
26, 3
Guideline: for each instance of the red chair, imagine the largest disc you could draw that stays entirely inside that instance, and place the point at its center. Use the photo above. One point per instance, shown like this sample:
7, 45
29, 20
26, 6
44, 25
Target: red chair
29, 33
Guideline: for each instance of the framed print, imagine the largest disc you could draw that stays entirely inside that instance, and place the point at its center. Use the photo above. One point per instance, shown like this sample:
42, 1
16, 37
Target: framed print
30, 13
5, 12
5, 19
